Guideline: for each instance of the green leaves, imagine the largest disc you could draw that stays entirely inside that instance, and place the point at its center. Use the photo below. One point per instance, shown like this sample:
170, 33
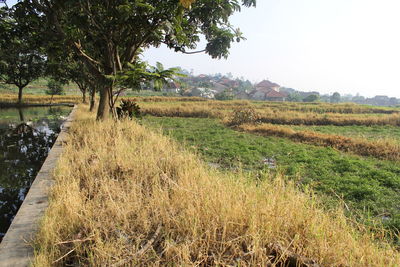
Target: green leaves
141, 74
109, 36
54, 88
22, 59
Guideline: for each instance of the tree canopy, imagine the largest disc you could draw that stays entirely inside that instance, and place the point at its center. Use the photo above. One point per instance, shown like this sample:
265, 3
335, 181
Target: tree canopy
335, 97
109, 36
21, 57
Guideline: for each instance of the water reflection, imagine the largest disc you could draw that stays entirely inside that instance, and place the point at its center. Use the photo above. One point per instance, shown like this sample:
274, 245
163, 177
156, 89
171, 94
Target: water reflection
24, 146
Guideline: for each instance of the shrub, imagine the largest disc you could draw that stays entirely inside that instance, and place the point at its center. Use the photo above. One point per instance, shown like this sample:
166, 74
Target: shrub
128, 108
55, 88
244, 115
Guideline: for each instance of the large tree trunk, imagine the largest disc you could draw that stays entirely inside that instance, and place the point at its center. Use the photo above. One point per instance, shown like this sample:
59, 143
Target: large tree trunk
21, 115
103, 110
84, 96
92, 98
20, 95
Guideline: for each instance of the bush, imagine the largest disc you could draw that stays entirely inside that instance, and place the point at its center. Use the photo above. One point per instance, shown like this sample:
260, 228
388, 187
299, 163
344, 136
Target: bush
225, 95
311, 98
128, 108
54, 88
244, 115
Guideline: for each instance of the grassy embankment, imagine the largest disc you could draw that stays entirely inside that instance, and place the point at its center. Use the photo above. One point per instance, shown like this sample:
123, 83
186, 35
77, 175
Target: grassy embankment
368, 186
379, 148
35, 94
383, 149
390, 133
10, 99
38, 87
126, 195
219, 109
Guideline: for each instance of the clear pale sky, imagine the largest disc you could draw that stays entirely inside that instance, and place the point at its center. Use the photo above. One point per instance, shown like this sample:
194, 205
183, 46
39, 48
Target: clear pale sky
349, 46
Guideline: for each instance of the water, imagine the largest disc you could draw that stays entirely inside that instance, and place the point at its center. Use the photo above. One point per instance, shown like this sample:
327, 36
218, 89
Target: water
26, 137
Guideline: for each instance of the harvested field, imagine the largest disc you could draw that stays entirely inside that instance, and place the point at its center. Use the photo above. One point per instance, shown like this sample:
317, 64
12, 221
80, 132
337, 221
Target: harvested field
380, 149
136, 198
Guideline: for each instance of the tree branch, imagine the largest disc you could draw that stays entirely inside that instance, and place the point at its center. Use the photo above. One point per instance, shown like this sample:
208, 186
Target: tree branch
134, 49
78, 47
194, 52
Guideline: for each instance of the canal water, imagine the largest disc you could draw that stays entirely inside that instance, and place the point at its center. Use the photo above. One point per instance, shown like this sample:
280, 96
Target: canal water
26, 137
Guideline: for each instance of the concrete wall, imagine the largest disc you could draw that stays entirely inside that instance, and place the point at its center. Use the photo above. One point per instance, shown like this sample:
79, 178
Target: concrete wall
15, 250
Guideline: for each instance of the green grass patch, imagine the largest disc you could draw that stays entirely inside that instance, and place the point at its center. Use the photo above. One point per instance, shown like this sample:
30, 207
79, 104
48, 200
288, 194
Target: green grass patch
38, 87
370, 187
367, 132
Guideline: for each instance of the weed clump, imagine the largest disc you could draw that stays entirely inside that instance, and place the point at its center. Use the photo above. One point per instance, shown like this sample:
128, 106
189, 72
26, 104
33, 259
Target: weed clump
128, 109
244, 115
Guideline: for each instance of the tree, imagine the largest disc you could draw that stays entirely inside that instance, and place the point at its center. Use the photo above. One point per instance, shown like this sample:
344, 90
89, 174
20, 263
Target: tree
225, 95
335, 97
358, 99
244, 86
110, 35
311, 98
161, 76
54, 88
21, 57
67, 69
294, 97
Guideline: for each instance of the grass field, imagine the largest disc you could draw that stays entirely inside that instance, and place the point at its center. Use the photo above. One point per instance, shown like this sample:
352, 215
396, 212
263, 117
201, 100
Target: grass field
370, 187
342, 160
367, 132
125, 195
38, 87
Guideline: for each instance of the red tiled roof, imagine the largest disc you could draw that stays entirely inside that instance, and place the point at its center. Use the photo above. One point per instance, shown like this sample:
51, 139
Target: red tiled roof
267, 83
273, 93
174, 85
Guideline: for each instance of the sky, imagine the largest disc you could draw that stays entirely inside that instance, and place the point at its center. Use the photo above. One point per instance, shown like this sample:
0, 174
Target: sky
345, 46
348, 46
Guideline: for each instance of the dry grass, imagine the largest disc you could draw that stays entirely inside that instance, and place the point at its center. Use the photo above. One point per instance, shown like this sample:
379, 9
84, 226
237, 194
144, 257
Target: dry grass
166, 99
267, 114
310, 118
185, 111
343, 108
127, 196
39, 100
383, 149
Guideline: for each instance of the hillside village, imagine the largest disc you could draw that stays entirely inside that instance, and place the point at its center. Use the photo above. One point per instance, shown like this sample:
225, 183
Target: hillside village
225, 87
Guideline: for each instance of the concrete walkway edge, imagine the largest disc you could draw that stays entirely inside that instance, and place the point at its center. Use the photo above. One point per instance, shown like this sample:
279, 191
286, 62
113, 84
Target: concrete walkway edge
15, 250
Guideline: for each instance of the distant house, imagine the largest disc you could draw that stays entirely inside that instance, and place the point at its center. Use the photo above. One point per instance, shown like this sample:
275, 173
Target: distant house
202, 92
382, 100
267, 95
229, 83
172, 87
219, 87
268, 91
267, 85
275, 96
201, 78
